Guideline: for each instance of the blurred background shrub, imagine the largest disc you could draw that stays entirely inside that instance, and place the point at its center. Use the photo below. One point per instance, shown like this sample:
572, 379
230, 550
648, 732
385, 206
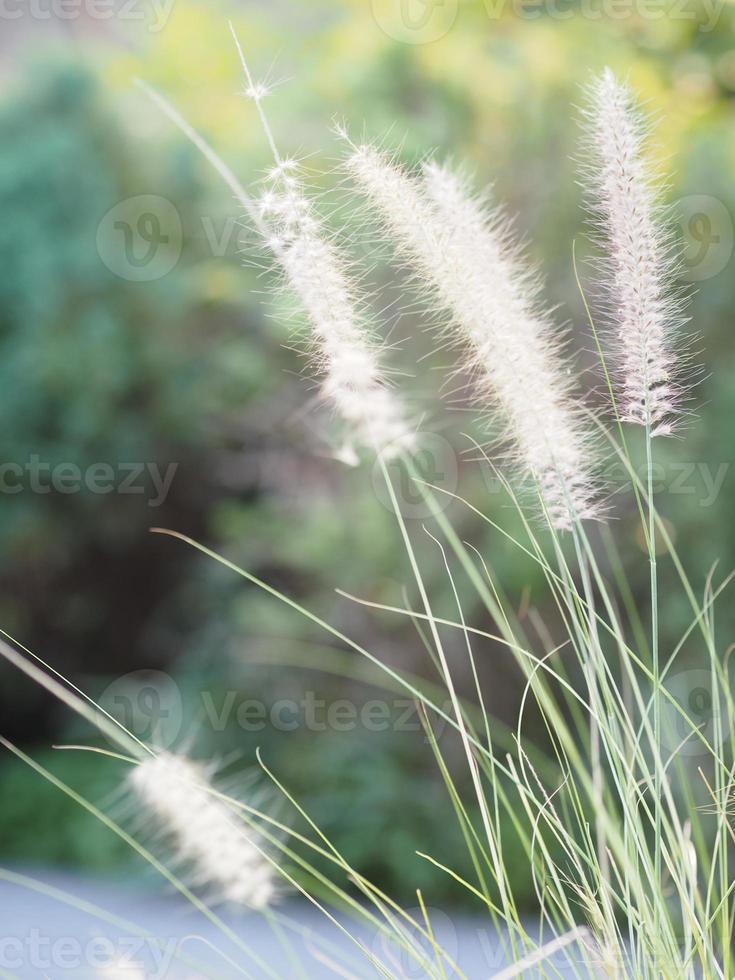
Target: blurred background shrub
190, 373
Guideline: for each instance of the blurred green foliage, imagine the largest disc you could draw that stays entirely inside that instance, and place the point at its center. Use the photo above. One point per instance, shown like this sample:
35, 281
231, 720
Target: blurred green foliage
188, 369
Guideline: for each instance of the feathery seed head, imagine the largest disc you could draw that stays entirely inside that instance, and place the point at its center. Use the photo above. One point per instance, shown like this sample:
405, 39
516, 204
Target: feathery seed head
211, 836
257, 91
466, 256
640, 259
345, 348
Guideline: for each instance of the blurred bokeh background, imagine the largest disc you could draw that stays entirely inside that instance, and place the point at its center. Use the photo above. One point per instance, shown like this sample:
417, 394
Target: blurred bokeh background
147, 378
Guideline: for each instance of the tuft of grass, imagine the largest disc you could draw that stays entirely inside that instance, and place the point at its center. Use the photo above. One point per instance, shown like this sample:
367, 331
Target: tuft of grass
627, 842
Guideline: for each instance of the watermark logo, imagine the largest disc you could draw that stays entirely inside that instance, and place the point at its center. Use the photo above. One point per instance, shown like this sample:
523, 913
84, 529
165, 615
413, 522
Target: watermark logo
99, 956
704, 13
153, 14
702, 482
424, 21
140, 238
312, 713
415, 21
707, 230
409, 957
687, 726
36, 475
435, 462
148, 703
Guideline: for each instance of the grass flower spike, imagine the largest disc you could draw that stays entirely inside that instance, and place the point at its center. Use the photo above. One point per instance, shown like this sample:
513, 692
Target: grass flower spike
465, 254
223, 851
639, 259
344, 342
345, 347
638, 269
594, 817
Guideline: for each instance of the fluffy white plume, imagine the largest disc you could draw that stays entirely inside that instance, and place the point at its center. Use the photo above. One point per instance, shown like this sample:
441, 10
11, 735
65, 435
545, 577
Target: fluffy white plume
346, 349
638, 268
465, 254
210, 836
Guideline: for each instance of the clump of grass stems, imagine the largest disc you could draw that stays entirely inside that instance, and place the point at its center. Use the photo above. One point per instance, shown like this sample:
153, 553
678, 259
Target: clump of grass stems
631, 870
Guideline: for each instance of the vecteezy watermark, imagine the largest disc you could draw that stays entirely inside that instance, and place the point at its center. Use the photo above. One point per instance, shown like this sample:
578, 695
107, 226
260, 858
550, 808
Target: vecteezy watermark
705, 13
153, 14
436, 465
49, 955
140, 238
149, 704
707, 229
313, 714
424, 21
430, 936
688, 718
407, 957
415, 21
702, 482
38, 476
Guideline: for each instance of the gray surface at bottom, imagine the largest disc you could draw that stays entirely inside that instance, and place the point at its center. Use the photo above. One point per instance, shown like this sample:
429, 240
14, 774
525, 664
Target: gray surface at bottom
163, 937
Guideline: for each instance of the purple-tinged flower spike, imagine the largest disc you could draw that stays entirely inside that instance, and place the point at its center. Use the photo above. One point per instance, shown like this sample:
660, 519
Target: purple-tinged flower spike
639, 262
